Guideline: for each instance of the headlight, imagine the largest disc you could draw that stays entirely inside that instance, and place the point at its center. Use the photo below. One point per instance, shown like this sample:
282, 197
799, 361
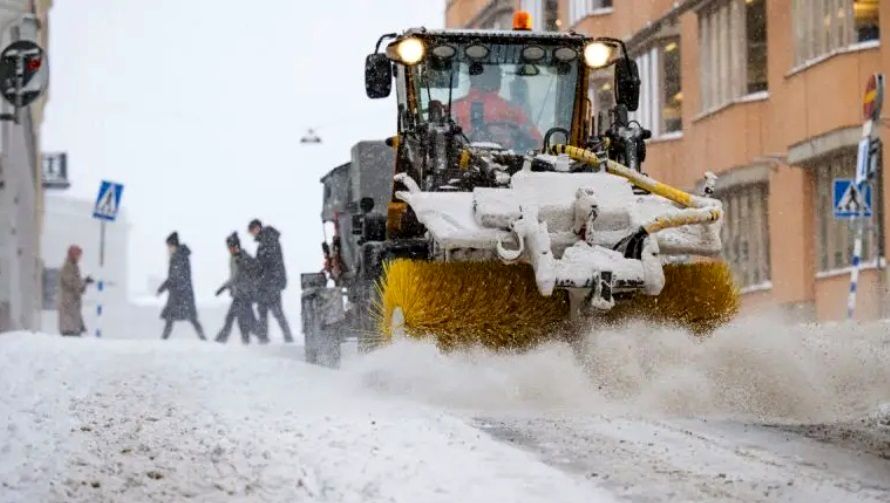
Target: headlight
597, 54
565, 54
533, 53
410, 51
444, 51
476, 52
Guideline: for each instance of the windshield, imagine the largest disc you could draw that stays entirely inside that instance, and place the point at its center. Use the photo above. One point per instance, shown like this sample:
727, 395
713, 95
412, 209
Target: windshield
501, 99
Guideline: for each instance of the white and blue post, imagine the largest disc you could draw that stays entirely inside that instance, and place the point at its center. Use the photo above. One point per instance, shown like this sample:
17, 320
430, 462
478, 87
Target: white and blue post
106, 209
100, 283
866, 168
862, 164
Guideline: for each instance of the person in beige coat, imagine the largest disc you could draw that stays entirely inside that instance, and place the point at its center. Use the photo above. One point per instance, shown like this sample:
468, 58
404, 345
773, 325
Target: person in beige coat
71, 288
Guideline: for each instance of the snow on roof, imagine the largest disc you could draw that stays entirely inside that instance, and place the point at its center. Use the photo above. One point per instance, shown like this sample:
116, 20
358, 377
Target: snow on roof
549, 36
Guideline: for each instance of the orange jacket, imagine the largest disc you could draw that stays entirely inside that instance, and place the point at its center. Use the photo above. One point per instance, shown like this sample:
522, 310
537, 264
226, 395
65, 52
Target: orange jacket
494, 109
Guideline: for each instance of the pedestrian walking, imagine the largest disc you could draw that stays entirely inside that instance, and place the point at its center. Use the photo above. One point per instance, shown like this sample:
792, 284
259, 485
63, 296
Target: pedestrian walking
272, 279
241, 285
71, 289
180, 295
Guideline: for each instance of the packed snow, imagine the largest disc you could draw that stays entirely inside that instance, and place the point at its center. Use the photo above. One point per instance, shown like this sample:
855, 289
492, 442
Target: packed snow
102, 420
758, 411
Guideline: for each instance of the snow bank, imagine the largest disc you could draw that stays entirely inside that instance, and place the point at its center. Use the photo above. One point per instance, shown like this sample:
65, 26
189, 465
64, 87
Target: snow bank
129, 420
756, 368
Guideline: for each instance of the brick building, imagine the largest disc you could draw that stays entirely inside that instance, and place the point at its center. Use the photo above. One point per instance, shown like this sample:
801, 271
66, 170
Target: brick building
21, 190
767, 94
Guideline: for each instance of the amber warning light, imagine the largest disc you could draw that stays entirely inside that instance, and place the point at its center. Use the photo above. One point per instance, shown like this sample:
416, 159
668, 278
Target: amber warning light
522, 21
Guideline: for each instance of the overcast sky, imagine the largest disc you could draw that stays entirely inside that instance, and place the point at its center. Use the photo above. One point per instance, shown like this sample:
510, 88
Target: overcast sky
198, 107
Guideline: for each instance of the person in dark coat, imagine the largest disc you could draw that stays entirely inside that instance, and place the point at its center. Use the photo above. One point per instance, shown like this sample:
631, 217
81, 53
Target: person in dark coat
272, 279
71, 289
242, 287
181, 297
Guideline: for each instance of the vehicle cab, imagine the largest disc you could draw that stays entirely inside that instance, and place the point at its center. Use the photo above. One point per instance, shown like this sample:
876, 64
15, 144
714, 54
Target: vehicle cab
506, 91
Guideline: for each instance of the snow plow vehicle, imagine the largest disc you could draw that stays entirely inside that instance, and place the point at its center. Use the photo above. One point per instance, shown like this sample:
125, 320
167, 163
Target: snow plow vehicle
514, 207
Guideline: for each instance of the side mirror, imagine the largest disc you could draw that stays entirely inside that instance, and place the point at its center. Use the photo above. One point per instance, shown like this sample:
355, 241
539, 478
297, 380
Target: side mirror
627, 84
378, 76
366, 204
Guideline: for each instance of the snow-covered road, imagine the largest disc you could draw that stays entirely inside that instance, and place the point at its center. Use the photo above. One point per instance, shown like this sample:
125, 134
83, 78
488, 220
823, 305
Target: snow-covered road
729, 419
100, 420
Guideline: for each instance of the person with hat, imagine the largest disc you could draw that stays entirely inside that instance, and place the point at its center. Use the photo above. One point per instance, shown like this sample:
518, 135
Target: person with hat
486, 115
71, 289
241, 286
272, 279
181, 297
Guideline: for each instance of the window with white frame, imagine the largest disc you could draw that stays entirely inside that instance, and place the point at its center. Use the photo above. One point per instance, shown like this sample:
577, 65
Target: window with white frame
579, 9
661, 92
834, 237
823, 27
732, 50
745, 233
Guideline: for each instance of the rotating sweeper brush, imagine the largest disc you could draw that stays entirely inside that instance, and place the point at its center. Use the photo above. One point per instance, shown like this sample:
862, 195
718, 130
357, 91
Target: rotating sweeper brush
479, 229
586, 242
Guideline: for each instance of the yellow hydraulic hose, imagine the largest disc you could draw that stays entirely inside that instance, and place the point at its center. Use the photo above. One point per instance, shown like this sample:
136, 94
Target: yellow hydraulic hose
640, 180
683, 217
701, 295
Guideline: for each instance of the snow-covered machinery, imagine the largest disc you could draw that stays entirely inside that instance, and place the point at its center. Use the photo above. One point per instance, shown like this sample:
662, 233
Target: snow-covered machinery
516, 208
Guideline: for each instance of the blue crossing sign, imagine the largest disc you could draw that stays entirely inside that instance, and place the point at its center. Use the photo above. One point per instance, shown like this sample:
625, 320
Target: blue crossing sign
108, 201
851, 200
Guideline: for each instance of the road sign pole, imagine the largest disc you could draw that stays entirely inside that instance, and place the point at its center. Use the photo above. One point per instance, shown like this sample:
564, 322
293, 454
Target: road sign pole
100, 284
862, 165
877, 159
102, 243
105, 210
854, 269
872, 102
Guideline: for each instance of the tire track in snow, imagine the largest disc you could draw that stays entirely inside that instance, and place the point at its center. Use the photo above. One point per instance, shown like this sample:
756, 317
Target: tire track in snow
697, 460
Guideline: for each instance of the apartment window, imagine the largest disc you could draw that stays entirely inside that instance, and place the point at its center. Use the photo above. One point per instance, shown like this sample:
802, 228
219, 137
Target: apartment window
834, 238
865, 20
661, 93
745, 233
579, 9
755, 40
733, 50
825, 26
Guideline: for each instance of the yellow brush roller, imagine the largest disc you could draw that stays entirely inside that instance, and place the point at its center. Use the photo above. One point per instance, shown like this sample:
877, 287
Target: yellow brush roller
698, 296
498, 306
469, 303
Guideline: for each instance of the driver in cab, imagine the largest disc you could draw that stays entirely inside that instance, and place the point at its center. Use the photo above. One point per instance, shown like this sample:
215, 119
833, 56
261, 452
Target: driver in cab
486, 116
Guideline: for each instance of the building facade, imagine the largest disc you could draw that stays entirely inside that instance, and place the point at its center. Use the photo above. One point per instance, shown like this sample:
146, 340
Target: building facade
21, 192
767, 94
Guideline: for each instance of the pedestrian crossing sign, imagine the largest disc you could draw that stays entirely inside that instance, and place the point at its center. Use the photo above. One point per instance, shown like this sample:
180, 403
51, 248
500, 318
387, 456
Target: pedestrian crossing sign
108, 201
851, 200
